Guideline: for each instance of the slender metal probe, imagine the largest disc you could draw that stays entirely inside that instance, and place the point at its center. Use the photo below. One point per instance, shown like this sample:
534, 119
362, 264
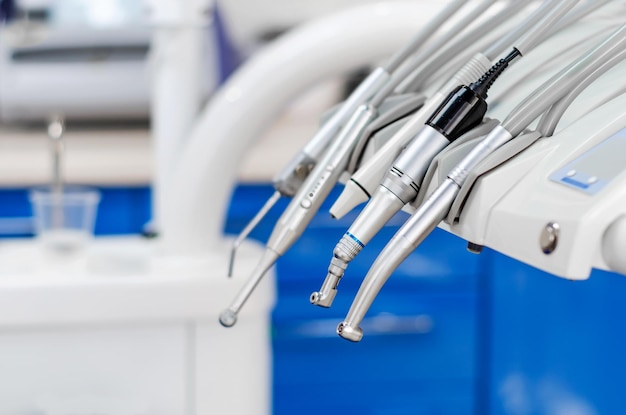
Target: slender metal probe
305, 204
269, 204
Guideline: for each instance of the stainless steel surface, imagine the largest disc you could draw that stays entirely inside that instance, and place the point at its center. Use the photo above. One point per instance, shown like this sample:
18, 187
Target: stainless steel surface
249, 227
383, 205
347, 248
291, 178
319, 184
496, 138
412, 233
228, 317
415, 230
396, 190
416, 157
304, 205
366, 89
549, 238
326, 295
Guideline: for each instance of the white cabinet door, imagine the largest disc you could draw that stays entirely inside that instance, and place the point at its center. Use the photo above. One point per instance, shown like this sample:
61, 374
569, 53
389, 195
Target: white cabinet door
121, 370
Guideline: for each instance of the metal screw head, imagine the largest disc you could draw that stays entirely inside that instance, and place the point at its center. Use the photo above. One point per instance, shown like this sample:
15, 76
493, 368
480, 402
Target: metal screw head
549, 238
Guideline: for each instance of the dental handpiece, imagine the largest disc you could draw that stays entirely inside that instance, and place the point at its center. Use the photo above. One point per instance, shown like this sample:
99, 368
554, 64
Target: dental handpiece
290, 179
364, 182
305, 204
414, 231
366, 179
378, 211
437, 205
462, 110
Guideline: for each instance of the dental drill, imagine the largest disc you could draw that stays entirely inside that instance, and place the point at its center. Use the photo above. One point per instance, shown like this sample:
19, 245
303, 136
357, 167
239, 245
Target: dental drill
366, 179
437, 205
462, 111
288, 181
308, 199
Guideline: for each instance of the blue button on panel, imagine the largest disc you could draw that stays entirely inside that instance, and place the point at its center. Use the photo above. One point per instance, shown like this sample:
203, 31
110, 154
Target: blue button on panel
596, 168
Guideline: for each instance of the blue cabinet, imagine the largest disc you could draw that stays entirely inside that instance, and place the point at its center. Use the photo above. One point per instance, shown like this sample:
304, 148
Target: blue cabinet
419, 353
556, 346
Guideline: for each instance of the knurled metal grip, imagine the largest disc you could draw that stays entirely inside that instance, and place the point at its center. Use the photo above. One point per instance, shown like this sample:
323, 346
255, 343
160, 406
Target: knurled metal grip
347, 249
337, 267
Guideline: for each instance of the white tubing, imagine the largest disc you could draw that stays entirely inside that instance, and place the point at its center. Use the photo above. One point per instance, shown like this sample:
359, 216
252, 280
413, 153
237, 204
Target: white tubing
177, 90
192, 217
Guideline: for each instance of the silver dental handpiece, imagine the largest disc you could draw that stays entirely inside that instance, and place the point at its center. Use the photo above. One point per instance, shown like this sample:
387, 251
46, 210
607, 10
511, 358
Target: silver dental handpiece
363, 182
414, 231
401, 183
539, 25
303, 207
398, 189
289, 181
460, 112
291, 178
437, 205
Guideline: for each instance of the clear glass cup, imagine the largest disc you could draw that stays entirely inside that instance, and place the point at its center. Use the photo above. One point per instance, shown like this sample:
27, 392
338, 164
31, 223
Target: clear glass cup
64, 220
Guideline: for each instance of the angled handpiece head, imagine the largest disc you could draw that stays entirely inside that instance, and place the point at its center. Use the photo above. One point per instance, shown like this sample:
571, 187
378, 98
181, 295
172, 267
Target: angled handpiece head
383, 205
347, 248
348, 332
412, 233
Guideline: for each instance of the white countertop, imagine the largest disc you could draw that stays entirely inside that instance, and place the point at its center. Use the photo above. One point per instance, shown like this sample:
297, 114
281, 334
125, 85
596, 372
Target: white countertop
41, 287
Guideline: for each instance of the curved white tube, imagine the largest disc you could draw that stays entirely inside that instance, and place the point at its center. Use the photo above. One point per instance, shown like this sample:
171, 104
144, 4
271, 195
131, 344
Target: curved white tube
207, 169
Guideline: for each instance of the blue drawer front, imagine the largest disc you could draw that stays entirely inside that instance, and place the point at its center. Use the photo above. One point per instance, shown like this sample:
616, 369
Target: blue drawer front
418, 355
419, 338
557, 346
393, 398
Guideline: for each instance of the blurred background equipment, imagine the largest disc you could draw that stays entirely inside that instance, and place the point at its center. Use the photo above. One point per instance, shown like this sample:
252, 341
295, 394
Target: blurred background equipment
87, 60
